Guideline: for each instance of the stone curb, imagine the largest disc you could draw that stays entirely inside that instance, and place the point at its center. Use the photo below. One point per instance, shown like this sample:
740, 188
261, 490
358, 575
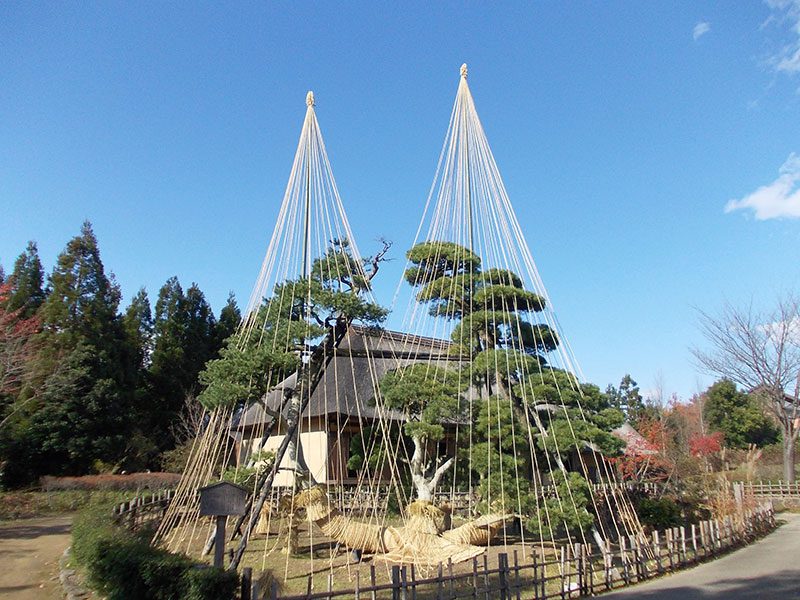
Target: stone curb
73, 590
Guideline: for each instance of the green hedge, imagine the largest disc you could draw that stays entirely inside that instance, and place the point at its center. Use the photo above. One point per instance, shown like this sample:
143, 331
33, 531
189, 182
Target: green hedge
123, 566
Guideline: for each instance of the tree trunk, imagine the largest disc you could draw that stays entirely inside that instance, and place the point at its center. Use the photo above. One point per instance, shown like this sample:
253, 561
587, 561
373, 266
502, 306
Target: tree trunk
425, 486
788, 455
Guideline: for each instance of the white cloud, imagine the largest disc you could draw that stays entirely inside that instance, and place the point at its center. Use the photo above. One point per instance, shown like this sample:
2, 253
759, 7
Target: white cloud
786, 12
790, 328
700, 29
781, 198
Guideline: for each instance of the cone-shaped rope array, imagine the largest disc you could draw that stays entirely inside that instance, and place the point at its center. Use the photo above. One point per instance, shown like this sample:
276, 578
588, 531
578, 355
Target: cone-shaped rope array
313, 289
530, 438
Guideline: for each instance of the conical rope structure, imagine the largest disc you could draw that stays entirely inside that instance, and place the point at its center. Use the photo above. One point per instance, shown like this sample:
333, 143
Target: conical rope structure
313, 287
535, 437
468, 428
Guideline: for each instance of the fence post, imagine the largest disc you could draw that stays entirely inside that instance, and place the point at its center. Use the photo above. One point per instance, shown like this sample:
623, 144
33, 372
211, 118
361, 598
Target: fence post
535, 575
485, 575
247, 583
626, 576
395, 582
517, 585
372, 582
474, 577
657, 552
502, 567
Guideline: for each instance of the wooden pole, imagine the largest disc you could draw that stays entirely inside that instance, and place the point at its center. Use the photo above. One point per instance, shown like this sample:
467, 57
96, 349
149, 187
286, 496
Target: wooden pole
219, 544
247, 583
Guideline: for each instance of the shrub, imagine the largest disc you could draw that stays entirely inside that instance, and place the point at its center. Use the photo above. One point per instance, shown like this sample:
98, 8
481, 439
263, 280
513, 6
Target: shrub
163, 574
92, 525
210, 583
123, 565
659, 513
114, 569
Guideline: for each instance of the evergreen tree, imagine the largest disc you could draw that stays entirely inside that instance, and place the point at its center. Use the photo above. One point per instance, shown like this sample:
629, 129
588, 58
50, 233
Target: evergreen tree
27, 279
503, 353
229, 318
83, 300
249, 365
138, 325
83, 376
629, 401
185, 339
201, 343
737, 416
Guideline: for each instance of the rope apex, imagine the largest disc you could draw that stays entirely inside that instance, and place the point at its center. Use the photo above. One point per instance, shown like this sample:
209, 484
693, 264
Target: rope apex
464, 70
310, 98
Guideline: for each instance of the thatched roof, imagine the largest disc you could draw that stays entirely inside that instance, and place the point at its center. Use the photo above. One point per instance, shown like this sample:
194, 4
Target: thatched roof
635, 443
347, 386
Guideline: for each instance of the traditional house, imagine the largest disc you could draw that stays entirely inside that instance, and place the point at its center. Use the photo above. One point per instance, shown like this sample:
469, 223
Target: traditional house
342, 404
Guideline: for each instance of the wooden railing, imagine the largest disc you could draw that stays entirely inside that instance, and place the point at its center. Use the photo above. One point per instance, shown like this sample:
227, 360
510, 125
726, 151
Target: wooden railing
771, 489
142, 509
573, 571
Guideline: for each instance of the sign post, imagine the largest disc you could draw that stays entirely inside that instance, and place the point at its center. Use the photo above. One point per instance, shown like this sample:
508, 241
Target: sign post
221, 500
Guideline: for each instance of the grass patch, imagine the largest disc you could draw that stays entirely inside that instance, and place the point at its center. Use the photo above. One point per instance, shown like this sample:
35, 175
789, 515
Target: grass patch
27, 505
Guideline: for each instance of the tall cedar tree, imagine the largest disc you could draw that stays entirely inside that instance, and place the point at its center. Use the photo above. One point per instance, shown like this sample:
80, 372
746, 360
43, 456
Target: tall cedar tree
27, 279
185, 339
229, 319
84, 375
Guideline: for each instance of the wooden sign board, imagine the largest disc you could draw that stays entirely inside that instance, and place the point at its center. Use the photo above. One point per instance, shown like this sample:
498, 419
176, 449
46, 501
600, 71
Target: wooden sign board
222, 499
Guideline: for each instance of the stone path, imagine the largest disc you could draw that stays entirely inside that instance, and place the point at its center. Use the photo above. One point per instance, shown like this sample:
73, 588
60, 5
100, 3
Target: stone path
766, 570
29, 553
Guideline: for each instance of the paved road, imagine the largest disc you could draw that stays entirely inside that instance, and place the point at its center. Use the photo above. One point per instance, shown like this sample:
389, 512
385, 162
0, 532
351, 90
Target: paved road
766, 570
29, 553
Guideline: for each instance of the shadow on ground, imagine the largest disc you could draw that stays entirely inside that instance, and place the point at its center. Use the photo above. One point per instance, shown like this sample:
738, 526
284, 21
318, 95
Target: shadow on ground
28, 532
783, 584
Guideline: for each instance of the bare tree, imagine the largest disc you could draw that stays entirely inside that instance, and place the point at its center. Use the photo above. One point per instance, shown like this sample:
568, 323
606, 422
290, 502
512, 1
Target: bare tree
761, 352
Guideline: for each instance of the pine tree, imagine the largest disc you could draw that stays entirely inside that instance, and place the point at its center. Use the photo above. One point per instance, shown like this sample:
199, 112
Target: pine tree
27, 292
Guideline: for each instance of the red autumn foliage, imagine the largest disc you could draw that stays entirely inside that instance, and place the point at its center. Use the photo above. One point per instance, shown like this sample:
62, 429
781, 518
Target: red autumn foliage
646, 460
705, 445
16, 346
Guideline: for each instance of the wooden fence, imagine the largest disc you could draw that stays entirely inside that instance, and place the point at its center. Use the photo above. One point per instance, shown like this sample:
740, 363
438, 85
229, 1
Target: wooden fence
771, 489
352, 499
143, 509
573, 571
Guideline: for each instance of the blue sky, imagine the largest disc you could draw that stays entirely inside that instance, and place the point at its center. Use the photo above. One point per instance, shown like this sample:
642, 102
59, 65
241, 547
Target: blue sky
623, 131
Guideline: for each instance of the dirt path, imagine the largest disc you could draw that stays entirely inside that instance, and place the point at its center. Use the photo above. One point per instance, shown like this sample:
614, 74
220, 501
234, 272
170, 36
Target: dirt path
766, 570
29, 554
